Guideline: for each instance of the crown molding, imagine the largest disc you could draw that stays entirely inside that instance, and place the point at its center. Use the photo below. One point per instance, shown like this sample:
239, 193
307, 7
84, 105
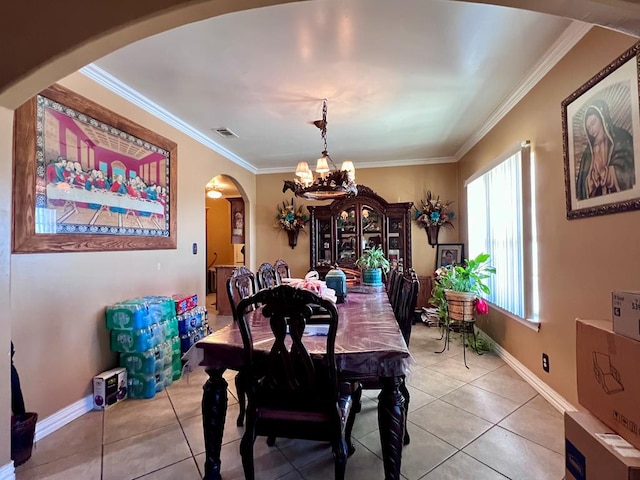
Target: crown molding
123, 90
572, 34
360, 165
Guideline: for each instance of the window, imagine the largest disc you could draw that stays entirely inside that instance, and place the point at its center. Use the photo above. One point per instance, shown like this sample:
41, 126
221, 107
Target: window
501, 222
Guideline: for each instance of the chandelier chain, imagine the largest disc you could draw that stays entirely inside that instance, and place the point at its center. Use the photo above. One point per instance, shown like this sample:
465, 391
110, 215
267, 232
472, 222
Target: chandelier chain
324, 125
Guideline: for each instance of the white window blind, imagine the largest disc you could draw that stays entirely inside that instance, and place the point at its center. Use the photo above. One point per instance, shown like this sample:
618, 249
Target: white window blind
499, 225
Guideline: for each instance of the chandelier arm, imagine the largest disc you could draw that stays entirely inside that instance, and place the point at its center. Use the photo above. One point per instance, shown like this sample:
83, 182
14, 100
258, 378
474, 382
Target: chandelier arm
335, 168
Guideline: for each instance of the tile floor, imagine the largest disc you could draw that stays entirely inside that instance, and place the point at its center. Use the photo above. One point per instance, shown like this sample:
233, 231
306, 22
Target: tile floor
484, 422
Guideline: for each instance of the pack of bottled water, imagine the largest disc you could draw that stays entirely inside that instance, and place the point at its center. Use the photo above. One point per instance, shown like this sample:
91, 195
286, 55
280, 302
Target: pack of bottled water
151, 334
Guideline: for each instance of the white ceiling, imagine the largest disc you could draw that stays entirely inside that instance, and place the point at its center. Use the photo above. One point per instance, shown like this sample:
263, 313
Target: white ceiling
407, 81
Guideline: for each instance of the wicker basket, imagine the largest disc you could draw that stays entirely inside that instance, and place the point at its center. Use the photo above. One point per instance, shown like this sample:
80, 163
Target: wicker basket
460, 305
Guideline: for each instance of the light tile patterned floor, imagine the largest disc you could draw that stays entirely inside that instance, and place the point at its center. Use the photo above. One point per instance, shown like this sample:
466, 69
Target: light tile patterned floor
480, 423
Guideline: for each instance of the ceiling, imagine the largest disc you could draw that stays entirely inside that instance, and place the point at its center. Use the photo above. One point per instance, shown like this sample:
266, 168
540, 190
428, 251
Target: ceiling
407, 81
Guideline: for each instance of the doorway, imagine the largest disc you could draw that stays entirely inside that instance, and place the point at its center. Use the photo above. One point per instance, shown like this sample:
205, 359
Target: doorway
223, 201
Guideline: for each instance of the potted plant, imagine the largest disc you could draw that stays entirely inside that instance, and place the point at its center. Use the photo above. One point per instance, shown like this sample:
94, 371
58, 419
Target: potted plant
458, 288
372, 262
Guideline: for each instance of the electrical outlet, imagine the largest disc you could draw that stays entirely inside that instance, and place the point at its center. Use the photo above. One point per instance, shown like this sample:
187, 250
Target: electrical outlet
545, 362
194, 248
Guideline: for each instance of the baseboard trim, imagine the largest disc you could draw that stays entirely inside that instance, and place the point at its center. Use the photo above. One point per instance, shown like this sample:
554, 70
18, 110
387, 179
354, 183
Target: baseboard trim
553, 397
66, 415
7, 471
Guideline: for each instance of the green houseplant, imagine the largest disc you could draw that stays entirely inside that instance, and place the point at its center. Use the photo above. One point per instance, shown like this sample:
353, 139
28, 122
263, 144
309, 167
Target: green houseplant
372, 262
457, 293
468, 280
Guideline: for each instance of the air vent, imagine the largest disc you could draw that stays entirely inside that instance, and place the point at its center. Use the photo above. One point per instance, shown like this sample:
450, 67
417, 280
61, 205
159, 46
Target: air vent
225, 132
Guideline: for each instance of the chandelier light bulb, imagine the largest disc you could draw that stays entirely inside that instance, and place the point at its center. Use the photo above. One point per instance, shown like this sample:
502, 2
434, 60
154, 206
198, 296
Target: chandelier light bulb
322, 166
214, 193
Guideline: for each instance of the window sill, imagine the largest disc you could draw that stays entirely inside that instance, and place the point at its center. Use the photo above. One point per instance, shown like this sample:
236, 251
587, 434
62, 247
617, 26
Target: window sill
532, 324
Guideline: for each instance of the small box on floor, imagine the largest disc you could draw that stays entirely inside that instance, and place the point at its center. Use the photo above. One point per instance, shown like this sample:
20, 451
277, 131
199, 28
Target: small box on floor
594, 452
109, 388
626, 313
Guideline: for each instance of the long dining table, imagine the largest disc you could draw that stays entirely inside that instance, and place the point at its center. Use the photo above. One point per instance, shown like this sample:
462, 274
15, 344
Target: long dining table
368, 344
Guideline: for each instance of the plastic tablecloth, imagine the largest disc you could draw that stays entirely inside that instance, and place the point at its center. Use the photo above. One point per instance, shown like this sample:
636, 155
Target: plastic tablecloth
368, 340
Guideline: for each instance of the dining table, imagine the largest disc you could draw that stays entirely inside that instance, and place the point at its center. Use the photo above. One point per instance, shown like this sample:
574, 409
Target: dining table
368, 344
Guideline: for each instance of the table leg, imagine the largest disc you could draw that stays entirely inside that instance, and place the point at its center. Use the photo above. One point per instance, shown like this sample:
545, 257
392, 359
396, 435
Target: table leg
214, 412
391, 421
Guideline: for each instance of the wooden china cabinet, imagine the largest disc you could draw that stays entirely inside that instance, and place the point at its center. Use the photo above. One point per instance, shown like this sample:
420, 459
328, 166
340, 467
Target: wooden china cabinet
341, 230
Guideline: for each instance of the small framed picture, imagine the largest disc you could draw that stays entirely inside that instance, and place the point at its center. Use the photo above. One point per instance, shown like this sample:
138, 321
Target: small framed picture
449, 254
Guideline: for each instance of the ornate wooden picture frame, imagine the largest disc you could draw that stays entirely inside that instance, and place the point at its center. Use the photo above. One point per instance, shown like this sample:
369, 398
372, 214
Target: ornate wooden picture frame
601, 141
87, 179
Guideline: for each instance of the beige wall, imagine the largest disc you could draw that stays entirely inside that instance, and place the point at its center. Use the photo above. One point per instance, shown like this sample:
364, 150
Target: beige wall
58, 300
580, 261
219, 231
399, 184
6, 145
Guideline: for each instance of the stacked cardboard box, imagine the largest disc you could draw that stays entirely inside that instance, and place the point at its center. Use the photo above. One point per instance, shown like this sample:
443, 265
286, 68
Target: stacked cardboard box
594, 451
607, 362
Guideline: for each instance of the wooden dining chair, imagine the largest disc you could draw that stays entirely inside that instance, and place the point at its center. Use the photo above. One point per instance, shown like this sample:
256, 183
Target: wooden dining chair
408, 298
241, 284
297, 395
266, 276
282, 270
394, 289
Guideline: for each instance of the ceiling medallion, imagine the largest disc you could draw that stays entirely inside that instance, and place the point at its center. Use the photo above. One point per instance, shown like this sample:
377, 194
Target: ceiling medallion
329, 182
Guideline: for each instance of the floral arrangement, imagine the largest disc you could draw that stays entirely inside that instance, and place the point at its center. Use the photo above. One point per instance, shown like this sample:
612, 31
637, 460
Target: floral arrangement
433, 212
291, 218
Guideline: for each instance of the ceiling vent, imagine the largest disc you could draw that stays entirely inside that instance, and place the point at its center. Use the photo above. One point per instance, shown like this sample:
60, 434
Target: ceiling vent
225, 132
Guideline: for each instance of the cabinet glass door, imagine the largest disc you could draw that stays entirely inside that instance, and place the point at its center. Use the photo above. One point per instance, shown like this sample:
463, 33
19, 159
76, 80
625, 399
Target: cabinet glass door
347, 238
324, 243
395, 239
371, 227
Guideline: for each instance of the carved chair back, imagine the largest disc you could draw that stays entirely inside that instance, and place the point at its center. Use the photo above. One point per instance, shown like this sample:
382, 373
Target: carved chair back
290, 393
266, 276
282, 270
409, 289
240, 285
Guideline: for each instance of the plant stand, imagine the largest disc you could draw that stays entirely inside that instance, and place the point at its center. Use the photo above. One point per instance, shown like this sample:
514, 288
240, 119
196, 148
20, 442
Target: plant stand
468, 328
461, 308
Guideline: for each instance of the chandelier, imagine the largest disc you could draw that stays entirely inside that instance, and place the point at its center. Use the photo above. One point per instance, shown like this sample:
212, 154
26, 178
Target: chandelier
329, 182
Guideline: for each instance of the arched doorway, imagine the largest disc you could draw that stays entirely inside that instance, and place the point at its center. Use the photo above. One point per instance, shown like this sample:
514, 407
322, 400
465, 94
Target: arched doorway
224, 233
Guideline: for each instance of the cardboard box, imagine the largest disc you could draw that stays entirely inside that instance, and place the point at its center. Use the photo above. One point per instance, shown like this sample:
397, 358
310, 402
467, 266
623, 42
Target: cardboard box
109, 388
608, 382
626, 313
594, 452
185, 302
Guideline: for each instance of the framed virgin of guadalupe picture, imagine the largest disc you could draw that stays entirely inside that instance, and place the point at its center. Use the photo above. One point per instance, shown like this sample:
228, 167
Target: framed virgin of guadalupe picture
601, 135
